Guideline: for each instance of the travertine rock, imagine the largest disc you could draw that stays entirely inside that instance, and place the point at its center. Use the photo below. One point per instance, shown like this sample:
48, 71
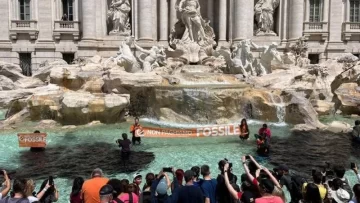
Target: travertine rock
11, 71
29, 82
6, 83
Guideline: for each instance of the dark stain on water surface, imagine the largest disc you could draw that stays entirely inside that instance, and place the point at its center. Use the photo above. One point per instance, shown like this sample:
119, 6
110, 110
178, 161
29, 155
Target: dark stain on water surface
79, 160
304, 151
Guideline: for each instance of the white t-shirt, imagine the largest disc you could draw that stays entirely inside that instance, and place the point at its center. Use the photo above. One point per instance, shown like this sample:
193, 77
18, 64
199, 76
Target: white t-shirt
32, 199
353, 201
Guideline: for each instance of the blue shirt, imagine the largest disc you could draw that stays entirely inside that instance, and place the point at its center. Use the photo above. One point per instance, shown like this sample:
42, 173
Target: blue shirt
209, 189
190, 194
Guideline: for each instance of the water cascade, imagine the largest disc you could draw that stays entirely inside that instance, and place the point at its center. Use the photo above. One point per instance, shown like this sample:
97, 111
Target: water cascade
280, 107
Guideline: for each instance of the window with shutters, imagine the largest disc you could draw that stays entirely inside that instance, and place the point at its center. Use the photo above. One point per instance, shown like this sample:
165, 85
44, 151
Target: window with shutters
24, 9
355, 11
68, 9
315, 10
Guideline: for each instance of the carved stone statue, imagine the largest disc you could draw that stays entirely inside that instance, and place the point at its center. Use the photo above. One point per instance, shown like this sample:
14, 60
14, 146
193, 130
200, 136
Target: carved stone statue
119, 17
269, 53
264, 16
126, 58
155, 57
191, 34
242, 61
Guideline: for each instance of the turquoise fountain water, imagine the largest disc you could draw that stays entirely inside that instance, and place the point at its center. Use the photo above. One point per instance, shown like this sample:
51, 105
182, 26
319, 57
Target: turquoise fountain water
180, 153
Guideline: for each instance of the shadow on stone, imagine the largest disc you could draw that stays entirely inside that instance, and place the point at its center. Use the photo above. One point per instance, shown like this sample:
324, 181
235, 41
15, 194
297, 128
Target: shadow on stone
79, 160
304, 151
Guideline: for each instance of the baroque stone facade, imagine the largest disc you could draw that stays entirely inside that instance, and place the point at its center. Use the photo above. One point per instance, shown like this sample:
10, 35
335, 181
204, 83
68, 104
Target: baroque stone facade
34, 31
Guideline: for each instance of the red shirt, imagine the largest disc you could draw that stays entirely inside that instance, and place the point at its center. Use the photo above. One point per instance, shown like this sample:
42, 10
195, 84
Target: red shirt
265, 131
76, 198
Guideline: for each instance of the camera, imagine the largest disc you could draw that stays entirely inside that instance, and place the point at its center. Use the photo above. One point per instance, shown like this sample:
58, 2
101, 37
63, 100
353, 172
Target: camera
167, 169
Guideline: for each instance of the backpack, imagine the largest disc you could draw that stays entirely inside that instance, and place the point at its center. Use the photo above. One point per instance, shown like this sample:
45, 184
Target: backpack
348, 189
296, 187
18, 201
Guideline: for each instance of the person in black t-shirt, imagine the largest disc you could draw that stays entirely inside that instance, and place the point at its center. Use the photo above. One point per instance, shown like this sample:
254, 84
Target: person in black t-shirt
190, 193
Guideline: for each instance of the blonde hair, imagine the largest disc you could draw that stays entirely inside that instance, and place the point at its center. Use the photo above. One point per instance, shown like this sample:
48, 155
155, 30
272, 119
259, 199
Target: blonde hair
279, 192
29, 188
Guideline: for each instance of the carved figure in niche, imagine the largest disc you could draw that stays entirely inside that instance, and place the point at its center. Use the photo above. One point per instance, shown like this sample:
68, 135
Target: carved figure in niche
155, 57
264, 16
196, 29
118, 16
269, 53
242, 61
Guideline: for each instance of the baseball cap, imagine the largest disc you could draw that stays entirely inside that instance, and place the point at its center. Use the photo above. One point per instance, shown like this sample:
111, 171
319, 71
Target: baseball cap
162, 187
106, 190
137, 175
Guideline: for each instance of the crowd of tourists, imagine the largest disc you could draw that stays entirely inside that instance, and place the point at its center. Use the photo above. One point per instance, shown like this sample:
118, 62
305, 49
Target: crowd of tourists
196, 185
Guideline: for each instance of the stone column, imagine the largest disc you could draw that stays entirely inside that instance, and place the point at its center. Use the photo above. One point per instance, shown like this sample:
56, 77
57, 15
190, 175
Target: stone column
89, 19
347, 12
296, 19
164, 20
16, 8
326, 11
285, 20
243, 19
76, 10
307, 11
210, 11
222, 20
145, 20
173, 18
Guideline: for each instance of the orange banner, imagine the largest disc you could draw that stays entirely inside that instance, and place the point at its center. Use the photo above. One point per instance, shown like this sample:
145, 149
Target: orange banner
209, 131
36, 140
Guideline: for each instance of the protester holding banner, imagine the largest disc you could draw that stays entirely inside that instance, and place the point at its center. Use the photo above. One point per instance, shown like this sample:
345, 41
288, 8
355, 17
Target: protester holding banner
136, 130
244, 130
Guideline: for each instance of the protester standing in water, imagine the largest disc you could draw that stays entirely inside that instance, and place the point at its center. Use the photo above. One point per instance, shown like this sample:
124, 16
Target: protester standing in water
244, 130
134, 129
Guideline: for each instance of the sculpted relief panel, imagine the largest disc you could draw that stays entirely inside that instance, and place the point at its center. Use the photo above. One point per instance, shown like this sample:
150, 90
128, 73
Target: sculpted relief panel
118, 17
264, 17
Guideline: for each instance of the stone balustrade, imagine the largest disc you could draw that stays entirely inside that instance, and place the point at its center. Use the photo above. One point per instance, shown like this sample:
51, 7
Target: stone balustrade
316, 29
24, 27
66, 28
351, 31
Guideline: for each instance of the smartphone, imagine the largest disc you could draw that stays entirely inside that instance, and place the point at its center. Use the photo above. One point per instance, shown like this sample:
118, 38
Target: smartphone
167, 169
1, 173
247, 157
51, 180
352, 165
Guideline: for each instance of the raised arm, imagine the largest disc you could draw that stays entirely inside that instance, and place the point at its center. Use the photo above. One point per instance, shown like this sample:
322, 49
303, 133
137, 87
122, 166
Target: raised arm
141, 49
7, 185
273, 179
255, 162
227, 183
247, 171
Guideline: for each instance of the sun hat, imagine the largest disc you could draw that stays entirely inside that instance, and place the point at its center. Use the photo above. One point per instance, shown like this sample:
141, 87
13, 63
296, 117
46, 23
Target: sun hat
341, 196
